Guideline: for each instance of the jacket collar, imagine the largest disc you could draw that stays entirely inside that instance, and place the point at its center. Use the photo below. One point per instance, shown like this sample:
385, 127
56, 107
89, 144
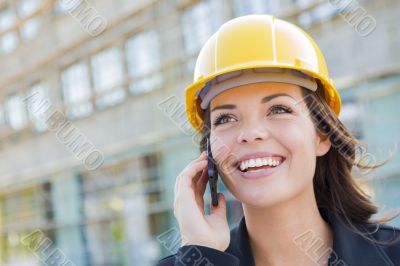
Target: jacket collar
349, 248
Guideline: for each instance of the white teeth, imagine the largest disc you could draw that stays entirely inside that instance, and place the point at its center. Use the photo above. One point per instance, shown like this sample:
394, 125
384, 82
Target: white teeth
258, 162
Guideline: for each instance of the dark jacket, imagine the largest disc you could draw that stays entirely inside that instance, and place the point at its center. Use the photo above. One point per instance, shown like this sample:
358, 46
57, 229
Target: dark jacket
349, 248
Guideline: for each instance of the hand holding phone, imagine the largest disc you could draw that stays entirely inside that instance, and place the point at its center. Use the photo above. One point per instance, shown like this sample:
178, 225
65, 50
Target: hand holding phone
196, 226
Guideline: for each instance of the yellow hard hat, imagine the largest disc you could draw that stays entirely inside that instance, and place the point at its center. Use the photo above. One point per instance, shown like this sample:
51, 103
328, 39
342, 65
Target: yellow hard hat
257, 41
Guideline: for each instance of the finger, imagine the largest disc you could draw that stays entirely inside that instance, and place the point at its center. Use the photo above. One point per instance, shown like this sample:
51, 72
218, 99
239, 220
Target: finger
185, 191
202, 183
199, 176
189, 200
200, 157
200, 189
189, 174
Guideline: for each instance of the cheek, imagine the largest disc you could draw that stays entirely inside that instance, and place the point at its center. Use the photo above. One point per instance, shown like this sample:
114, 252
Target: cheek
298, 137
221, 148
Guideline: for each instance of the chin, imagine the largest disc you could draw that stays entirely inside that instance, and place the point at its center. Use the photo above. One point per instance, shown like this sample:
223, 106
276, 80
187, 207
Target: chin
266, 196
261, 201
269, 191
258, 197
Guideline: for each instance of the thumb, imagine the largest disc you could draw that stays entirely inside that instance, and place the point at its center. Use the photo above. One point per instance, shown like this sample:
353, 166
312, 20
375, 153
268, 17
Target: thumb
220, 209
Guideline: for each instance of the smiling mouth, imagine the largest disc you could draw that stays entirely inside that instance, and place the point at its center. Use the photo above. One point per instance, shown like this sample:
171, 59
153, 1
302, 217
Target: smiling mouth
259, 164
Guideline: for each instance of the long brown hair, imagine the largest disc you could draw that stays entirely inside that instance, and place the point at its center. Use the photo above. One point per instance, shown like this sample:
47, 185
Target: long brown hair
334, 185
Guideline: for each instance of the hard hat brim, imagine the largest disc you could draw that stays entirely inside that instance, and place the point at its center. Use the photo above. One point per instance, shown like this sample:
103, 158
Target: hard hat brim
193, 109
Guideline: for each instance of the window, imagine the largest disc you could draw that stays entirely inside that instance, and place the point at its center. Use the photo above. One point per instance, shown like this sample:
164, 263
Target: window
325, 12
16, 112
143, 60
22, 212
108, 77
199, 23
76, 90
28, 23
303, 3
133, 190
321, 13
30, 27
7, 19
61, 6
37, 106
8, 40
108, 191
246, 7
27, 7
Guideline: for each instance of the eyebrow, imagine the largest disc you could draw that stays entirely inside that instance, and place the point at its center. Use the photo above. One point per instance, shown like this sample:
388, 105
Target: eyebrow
263, 100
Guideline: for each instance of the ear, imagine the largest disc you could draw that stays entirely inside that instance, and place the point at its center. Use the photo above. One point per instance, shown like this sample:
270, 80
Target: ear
323, 145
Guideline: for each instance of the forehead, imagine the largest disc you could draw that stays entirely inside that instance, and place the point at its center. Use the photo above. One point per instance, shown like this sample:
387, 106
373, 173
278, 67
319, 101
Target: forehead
256, 92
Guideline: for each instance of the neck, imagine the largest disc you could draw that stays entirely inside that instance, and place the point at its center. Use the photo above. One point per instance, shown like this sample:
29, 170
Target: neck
291, 233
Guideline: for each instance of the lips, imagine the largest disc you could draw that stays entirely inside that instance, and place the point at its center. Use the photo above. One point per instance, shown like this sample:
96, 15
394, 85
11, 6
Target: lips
259, 155
259, 174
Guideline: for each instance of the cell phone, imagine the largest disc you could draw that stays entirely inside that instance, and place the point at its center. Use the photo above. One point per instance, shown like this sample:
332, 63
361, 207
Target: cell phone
212, 175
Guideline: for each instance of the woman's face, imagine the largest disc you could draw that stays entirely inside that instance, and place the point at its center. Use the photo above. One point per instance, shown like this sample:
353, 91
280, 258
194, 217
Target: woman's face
265, 121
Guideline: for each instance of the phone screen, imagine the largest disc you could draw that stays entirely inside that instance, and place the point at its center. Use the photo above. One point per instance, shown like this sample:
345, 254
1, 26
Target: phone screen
212, 175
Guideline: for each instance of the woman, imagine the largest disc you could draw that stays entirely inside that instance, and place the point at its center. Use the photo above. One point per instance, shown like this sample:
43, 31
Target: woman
263, 98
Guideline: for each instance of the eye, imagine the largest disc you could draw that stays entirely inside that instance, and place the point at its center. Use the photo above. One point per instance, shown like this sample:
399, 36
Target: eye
279, 109
222, 119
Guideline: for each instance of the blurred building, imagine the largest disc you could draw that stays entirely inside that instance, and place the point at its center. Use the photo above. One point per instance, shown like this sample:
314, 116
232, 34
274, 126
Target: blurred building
110, 84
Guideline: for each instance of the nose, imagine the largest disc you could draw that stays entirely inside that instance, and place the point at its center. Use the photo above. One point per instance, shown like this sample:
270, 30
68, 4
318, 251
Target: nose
252, 132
